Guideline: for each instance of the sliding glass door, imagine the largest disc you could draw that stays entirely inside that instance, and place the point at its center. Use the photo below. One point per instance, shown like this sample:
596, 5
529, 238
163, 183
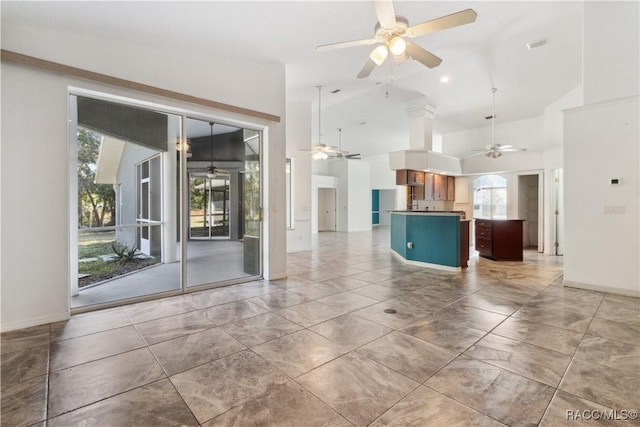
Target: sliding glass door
163, 202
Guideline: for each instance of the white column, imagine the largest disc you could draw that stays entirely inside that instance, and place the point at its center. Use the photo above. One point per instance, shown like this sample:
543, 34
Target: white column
421, 115
169, 196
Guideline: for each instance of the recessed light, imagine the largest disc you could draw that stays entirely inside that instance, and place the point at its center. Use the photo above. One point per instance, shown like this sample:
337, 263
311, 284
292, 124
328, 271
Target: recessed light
444, 79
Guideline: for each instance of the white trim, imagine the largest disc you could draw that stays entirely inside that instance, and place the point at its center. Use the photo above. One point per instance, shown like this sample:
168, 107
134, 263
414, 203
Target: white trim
36, 321
425, 264
605, 289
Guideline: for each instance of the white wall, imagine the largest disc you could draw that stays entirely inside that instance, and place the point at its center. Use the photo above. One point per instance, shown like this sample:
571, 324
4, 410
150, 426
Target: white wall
601, 142
35, 126
380, 176
553, 139
299, 136
602, 250
610, 62
359, 196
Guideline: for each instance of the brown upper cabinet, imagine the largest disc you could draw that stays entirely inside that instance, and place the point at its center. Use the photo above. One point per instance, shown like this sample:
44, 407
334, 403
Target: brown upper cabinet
436, 187
409, 177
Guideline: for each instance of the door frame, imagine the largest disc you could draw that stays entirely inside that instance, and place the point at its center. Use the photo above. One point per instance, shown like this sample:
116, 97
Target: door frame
183, 113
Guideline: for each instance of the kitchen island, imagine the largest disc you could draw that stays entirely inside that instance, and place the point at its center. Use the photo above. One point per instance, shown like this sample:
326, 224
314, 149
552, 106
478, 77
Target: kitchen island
435, 239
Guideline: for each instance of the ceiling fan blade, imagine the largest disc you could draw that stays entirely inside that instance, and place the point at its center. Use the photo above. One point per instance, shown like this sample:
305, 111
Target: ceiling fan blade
385, 13
355, 156
445, 22
332, 46
422, 55
512, 149
367, 69
481, 153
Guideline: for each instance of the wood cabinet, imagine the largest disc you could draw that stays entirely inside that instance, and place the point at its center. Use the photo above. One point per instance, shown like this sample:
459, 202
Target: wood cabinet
409, 177
434, 186
428, 186
499, 239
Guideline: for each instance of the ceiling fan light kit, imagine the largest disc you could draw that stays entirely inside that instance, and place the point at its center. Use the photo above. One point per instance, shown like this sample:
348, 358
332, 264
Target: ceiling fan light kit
391, 32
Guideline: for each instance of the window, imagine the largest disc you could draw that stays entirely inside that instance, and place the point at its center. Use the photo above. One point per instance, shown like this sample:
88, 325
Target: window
490, 197
289, 196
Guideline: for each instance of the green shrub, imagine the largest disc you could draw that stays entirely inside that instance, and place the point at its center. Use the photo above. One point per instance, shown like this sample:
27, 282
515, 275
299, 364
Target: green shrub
123, 252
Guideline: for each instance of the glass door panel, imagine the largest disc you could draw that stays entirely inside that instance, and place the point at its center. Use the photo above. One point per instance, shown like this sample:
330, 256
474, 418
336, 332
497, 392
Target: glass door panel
223, 165
128, 192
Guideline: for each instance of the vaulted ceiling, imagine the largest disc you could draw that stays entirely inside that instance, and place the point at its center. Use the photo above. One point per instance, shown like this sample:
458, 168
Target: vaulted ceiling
489, 53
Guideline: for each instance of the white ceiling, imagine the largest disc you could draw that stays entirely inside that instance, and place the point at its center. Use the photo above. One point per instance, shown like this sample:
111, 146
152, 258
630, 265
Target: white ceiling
490, 52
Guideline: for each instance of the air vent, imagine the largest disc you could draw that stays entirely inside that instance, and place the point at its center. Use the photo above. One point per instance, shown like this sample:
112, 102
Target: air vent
537, 44
336, 90
489, 117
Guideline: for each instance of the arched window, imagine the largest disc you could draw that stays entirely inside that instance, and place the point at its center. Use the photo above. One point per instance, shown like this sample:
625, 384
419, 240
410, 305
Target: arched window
490, 197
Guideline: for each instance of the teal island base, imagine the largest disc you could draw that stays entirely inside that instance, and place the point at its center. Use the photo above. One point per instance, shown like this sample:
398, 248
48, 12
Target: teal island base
430, 239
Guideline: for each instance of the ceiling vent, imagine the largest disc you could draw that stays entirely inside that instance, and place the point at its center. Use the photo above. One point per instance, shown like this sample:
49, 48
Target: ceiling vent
537, 44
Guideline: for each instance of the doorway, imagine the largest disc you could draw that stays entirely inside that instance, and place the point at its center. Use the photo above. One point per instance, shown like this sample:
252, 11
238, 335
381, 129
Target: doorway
529, 209
163, 203
327, 209
209, 206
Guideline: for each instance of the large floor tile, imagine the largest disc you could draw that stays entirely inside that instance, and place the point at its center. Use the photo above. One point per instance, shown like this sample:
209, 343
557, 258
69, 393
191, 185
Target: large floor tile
611, 354
151, 310
425, 408
573, 321
351, 331
21, 339
616, 331
167, 328
378, 292
407, 355
259, 329
191, 350
309, 313
371, 277
299, 352
607, 386
347, 301
345, 283
517, 296
88, 348
287, 405
539, 364
156, 404
210, 298
212, 389
89, 323
445, 333
490, 303
393, 313
358, 388
233, 311
570, 410
81, 385
314, 290
620, 310
24, 364
539, 334
279, 299
470, 317
502, 395
24, 403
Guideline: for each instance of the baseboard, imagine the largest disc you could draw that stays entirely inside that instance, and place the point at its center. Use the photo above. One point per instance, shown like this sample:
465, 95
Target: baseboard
276, 276
426, 264
605, 289
12, 326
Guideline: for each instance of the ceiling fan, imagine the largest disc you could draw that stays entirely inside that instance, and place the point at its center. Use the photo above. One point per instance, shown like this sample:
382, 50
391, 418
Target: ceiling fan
212, 171
322, 151
392, 32
341, 154
493, 150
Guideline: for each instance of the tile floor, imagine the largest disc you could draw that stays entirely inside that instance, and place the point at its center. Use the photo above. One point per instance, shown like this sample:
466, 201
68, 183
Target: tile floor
498, 344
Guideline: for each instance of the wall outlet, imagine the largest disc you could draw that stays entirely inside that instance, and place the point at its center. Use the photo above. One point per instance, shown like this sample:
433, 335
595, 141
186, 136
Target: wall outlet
614, 209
